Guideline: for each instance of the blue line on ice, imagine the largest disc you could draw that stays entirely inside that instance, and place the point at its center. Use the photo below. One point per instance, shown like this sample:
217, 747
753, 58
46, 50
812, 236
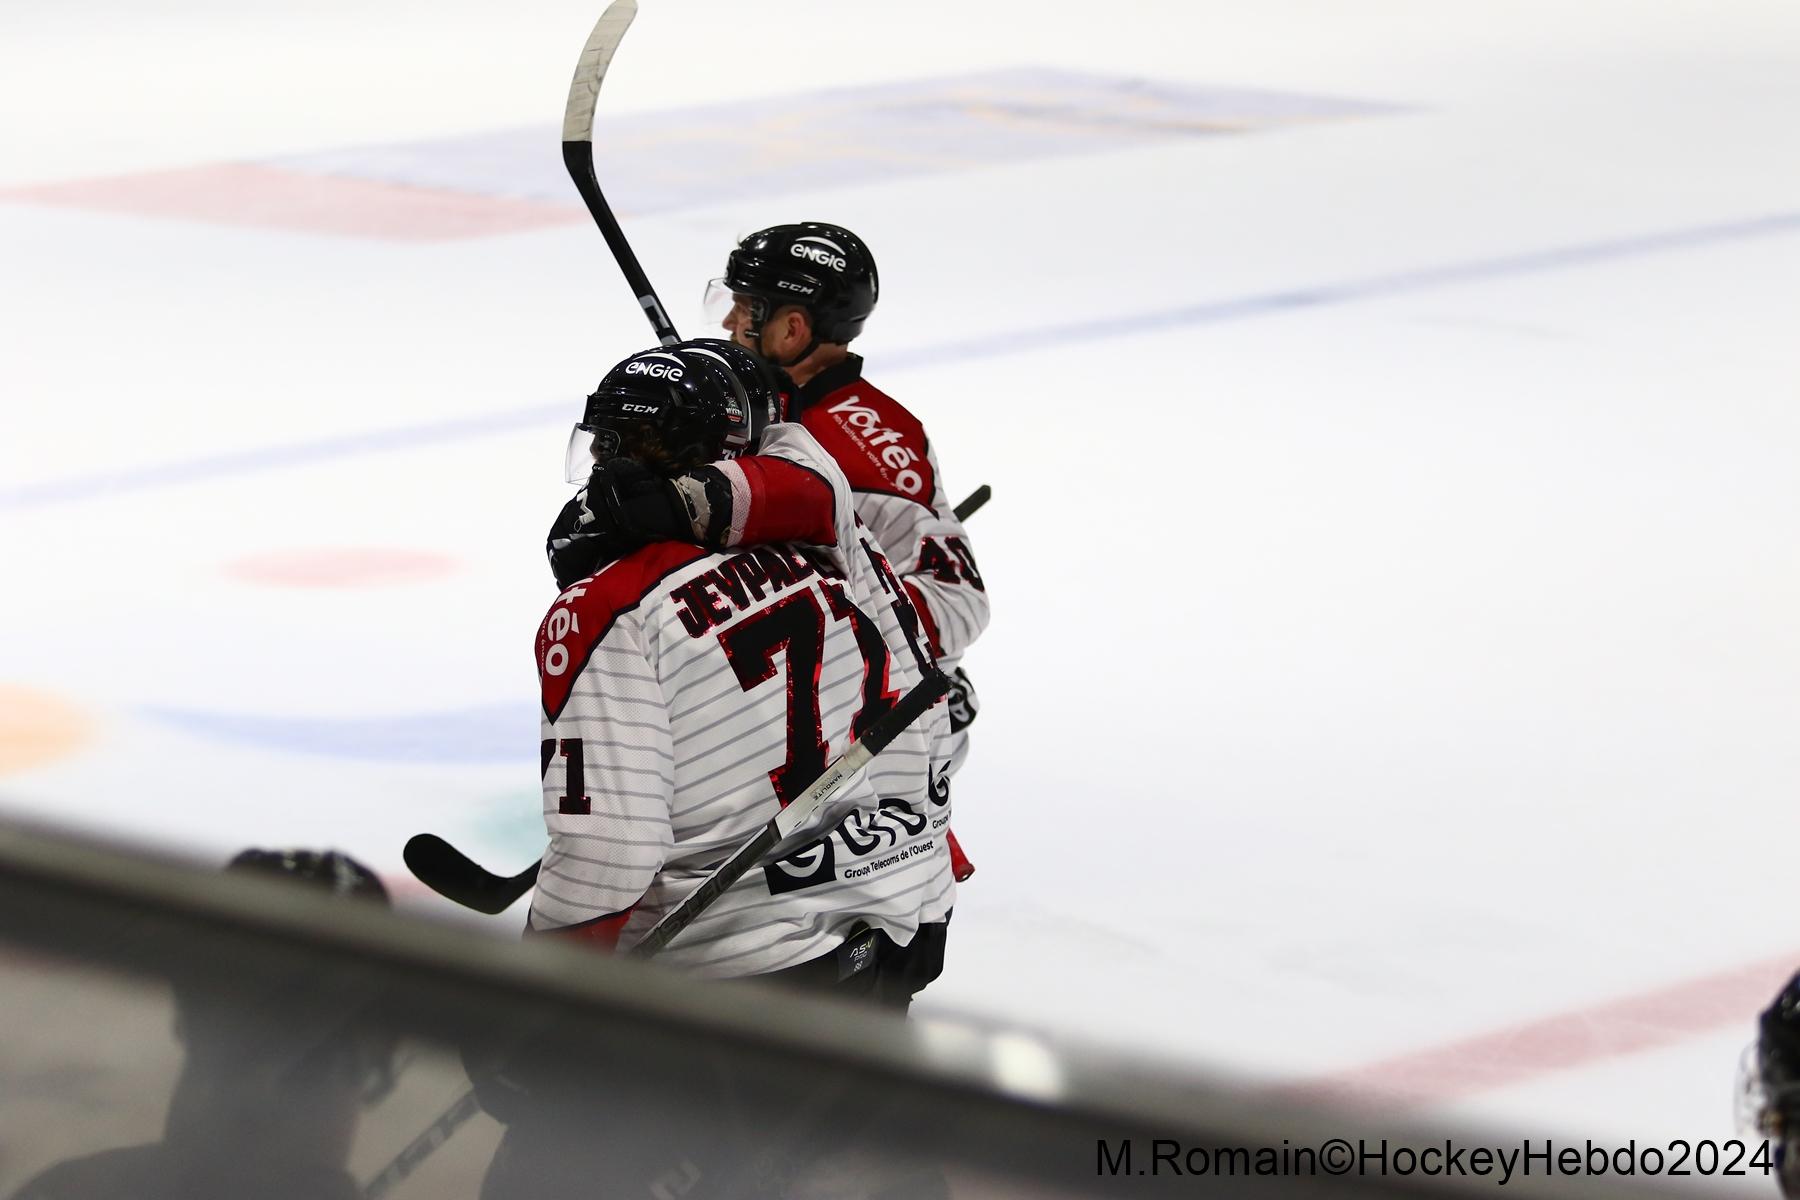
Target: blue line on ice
489, 733
87, 487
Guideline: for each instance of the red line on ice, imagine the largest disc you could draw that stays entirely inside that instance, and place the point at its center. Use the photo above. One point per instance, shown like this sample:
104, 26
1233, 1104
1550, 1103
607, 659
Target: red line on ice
274, 198
341, 567
1583, 1037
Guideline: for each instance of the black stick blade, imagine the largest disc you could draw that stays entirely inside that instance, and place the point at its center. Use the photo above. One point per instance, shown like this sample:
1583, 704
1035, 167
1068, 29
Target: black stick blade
455, 876
973, 502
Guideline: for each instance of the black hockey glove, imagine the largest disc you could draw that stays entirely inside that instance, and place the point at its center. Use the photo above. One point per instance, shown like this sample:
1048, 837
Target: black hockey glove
583, 539
642, 503
963, 703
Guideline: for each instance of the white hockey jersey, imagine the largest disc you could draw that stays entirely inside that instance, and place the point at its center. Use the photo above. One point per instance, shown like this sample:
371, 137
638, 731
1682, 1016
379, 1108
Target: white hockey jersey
687, 695
900, 496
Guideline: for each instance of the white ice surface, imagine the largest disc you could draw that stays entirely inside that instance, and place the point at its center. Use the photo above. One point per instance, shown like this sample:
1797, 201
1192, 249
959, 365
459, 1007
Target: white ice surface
1367, 674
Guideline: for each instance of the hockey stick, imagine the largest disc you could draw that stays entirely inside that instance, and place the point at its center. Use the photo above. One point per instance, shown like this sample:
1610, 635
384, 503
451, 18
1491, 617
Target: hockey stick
799, 813
423, 1146
973, 502
434, 861
455, 876
578, 156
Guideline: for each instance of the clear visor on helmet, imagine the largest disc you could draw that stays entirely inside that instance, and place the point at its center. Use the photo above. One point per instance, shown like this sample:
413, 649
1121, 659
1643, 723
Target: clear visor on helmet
731, 311
588, 444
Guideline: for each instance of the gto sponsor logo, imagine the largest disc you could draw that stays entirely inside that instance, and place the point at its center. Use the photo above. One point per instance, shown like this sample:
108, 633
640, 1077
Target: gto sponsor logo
561, 623
640, 408
806, 867
894, 825
898, 459
654, 370
818, 250
805, 289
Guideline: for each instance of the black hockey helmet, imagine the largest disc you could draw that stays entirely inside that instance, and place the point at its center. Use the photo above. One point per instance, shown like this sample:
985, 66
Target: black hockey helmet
1768, 1086
678, 406
825, 269
332, 870
287, 1037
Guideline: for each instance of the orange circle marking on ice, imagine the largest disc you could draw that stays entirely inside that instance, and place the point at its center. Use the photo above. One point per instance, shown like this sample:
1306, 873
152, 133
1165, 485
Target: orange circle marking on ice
37, 728
341, 568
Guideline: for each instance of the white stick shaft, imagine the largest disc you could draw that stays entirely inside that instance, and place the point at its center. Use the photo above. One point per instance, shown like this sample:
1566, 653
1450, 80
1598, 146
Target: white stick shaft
807, 804
584, 89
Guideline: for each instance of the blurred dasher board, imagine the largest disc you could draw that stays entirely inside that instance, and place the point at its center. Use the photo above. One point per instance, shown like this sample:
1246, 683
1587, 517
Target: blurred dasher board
184, 1032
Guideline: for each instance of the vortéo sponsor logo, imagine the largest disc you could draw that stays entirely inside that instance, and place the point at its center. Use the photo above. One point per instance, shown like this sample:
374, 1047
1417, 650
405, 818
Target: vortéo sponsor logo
899, 459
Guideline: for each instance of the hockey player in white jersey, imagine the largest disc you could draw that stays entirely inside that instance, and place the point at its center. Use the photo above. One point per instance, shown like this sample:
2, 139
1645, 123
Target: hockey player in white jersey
798, 294
689, 693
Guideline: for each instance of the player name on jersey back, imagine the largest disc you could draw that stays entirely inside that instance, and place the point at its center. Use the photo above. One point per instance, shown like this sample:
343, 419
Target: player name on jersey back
744, 580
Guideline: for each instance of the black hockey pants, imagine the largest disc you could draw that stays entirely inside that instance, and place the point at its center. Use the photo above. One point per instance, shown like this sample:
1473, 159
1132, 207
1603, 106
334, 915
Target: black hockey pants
869, 966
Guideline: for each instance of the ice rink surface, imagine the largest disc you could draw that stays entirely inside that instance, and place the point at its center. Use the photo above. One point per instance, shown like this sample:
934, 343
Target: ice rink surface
1391, 410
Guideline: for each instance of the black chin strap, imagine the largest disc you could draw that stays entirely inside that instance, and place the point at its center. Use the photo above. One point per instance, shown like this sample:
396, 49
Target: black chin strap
801, 357
757, 332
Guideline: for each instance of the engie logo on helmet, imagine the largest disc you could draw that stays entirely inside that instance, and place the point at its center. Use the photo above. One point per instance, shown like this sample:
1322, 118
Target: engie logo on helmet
654, 370
818, 250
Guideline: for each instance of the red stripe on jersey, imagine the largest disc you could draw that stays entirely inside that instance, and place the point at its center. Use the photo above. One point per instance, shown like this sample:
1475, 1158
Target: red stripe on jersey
880, 446
788, 503
925, 617
584, 612
602, 933
960, 866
